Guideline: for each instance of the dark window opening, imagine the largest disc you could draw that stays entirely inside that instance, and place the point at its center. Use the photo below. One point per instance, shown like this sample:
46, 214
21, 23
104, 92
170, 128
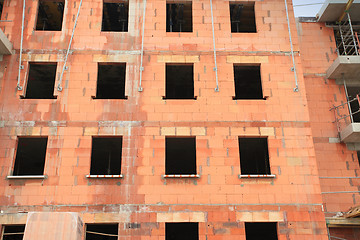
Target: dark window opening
261, 230
1, 7
13, 232
30, 156
247, 81
242, 17
106, 156
115, 16
354, 105
358, 156
181, 231
254, 156
111, 81
50, 15
179, 17
180, 155
179, 81
41, 81
102, 231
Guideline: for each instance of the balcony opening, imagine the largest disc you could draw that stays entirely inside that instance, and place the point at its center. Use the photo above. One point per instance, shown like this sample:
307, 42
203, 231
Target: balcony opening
180, 154
254, 156
242, 17
247, 81
41, 81
181, 231
106, 156
30, 156
102, 231
50, 15
179, 81
115, 16
354, 105
261, 230
111, 81
13, 232
179, 17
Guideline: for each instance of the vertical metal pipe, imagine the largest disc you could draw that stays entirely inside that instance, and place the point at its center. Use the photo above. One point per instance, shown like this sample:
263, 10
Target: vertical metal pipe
296, 89
347, 99
353, 35
21, 47
213, 33
142, 48
59, 88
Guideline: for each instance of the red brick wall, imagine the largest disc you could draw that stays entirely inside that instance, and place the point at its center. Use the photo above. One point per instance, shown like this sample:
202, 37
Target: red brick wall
334, 159
145, 119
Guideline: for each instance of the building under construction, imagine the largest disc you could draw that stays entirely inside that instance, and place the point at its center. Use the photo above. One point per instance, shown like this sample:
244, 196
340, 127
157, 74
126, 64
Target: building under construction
167, 120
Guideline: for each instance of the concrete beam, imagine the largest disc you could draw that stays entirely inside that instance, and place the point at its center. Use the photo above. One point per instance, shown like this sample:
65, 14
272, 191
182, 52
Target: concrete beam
5, 45
345, 66
351, 134
332, 10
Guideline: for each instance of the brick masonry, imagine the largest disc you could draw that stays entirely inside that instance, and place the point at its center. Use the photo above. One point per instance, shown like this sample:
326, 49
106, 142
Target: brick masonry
219, 200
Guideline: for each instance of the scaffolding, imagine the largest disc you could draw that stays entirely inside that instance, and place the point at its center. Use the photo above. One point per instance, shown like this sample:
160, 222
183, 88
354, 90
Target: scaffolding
347, 39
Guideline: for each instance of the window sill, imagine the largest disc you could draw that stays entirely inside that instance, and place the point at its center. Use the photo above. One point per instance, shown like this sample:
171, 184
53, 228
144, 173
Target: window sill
251, 99
180, 176
105, 176
165, 98
123, 98
257, 176
27, 177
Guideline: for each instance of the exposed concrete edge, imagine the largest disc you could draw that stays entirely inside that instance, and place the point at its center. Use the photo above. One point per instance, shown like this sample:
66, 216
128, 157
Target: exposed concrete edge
341, 222
5, 45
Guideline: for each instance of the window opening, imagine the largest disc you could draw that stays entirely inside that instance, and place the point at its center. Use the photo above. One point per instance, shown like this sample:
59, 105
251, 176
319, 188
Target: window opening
41, 81
179, 17
354, 105
254, 156
242, 17
102, 231
1, 7
13, 232
106, 156
50, 15
261, 230
30, 156
111, 81
115, 16
179, 81
180, 155
180, 231
247, 81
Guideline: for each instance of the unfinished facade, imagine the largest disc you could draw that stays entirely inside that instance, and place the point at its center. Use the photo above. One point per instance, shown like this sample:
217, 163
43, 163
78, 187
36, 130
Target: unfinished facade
330, 54
158, 120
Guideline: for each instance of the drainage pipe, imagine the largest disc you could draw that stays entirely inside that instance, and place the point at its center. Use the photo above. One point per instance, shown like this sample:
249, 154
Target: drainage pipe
21, 47
142, 48
296, 89
213, 33
59, 88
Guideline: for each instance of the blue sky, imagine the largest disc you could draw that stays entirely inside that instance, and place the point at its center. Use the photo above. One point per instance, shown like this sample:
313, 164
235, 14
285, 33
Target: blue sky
307, 10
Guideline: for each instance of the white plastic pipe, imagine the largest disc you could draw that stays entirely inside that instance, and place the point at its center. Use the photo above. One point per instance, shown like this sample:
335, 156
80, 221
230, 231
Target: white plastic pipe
59, 88
142, 48
21, 47
213, 33
296, 89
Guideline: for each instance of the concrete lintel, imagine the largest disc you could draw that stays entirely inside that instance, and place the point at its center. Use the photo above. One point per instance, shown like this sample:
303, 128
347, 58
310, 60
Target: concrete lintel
347, 67
5, 45
331, 10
